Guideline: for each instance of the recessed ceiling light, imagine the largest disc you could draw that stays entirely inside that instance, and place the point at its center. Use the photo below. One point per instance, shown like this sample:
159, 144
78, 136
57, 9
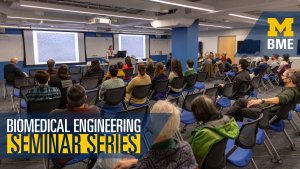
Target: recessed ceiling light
148, 27
51, 20
182, 5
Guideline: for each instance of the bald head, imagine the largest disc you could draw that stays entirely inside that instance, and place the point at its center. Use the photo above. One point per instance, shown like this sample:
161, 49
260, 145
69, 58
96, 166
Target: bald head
14, 60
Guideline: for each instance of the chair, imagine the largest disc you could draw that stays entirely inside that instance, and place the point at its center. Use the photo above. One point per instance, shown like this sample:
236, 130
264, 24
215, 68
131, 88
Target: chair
262, 73
63, 86
159, 87
255, 84
201, 77
23, 98
212, 93
239, 151
92, 97
41, 109
89, 83
128, 73
75, 69
234, 68
190, 81
76, 77
253, 64
140, 92
227, 93
18, 83
33, 71
113, 99
186, 116
216, 158
176, 83
243, 90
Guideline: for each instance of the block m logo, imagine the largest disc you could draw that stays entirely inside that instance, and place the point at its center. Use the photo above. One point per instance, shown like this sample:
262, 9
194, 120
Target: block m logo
286, 24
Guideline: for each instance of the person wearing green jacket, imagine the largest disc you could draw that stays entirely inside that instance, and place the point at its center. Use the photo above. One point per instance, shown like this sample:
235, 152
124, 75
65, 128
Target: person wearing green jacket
215, 128
190, 71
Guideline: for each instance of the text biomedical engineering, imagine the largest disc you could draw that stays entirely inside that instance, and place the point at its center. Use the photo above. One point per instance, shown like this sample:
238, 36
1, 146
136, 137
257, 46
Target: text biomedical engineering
78, 125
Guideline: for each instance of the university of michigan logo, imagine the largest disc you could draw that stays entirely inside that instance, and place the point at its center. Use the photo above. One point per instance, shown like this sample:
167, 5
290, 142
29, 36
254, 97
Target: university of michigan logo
285, 28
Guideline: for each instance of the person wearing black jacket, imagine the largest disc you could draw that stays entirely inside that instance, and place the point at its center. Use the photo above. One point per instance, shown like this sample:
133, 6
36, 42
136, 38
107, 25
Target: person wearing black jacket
11, 71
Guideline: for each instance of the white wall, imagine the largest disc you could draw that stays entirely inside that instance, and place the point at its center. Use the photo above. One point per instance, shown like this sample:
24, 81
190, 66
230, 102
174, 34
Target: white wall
157, 45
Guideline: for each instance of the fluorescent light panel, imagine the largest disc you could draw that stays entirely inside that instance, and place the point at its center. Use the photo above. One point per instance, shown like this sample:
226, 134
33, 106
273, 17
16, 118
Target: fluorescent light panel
242, 16
51, 20
151, 27
182, 5
216, 26
82, 12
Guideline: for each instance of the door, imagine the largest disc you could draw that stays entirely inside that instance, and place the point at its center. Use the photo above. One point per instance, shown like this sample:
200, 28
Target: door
227, 44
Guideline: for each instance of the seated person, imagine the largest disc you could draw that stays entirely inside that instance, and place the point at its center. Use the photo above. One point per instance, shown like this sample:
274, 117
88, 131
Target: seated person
128, 65
141, 79
113, 82
150, 67
43, 91
120, 72
190, 71
11, 71
262, 65
285, 61
241, 76
166, 152
158, 76
76, 97
288, 96
176, 72
51, 67
95, 69
275, 61
215, 128
62, 74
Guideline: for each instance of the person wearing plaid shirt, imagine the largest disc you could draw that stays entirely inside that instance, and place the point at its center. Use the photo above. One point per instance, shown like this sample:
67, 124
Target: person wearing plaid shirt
43, 91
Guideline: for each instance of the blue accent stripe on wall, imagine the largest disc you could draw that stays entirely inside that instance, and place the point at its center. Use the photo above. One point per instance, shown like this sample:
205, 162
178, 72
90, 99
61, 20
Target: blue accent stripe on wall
12, 31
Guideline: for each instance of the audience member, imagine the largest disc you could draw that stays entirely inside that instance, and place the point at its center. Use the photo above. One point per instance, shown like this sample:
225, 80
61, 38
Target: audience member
215, 128
159, 75
51, 67
166, 152
95, 69
288, 96
62, 74
141, 79
128, 65
43, 91
275, 62
113, 82
262, 65
150, 67
176, 72
190, 71
284, 62
241, 77
121, 73
11, 71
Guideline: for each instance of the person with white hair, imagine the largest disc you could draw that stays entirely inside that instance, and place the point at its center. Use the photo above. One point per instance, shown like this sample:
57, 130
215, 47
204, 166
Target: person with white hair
11, 71
166, 151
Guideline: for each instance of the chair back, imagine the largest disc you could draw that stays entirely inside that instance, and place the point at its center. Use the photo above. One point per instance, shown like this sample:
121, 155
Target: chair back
262, 72
24, 90
212, 93
33, 71
114, 96
92, 97
191, 79
228, 90
188, 101
255, 82
177, 83
201, 76
75, 69
275, 70
63, 86
23, 81
89, 83
244, 88
76, 77
283, 111
136, 113
44, 106
161, 86
234, 68
141, 91
269, 70
128, 72
216, 157
253, 64
98, 75
247, 136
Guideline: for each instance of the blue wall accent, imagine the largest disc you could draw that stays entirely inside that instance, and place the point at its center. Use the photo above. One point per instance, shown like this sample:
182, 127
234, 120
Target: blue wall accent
159, 58
185, 43
94, 34
13, 31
